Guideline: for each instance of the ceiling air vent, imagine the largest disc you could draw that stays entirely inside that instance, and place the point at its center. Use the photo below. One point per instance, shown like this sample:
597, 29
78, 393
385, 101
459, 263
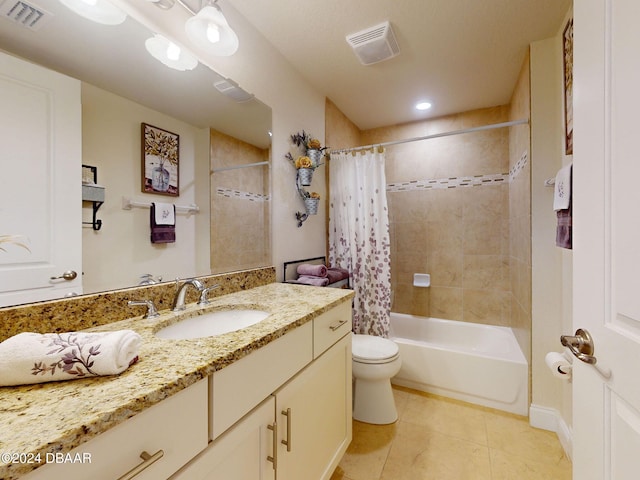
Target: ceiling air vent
374, 44
25, 14
231, 89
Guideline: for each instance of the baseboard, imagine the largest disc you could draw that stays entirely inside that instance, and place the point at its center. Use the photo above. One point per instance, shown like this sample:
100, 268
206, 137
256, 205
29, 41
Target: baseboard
550, 419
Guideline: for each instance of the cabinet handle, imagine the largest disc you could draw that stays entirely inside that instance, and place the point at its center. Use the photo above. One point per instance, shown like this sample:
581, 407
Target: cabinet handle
274, 459
287, 442
148, 460
337, 325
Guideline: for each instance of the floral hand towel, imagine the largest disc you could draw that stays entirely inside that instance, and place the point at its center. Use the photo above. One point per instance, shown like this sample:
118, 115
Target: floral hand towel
35, 358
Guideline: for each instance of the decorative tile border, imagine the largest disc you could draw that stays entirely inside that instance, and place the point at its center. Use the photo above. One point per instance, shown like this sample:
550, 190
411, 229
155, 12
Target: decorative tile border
252, 197
467, 181
520, 164
451, 182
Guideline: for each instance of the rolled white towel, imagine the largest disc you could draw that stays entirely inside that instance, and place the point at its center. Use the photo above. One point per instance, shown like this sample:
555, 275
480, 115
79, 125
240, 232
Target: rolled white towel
35, 358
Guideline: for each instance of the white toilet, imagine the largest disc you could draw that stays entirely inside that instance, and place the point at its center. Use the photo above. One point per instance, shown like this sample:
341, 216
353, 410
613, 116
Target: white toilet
375, 361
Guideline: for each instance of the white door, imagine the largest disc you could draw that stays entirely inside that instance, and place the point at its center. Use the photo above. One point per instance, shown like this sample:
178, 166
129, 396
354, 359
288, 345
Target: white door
40, 182
606, 202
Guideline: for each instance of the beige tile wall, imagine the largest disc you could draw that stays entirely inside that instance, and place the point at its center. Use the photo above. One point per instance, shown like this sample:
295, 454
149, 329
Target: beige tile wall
520, 213
459, 235
242, 208
474, 241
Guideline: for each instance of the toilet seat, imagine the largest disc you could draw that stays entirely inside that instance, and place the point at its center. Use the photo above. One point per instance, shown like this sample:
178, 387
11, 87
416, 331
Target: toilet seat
373, 350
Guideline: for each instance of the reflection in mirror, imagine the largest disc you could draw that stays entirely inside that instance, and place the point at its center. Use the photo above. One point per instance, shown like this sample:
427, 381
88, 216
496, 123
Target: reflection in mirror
240, 203
122, 87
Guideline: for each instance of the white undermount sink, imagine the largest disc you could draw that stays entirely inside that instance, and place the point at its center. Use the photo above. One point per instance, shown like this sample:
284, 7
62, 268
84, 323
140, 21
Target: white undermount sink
212, 324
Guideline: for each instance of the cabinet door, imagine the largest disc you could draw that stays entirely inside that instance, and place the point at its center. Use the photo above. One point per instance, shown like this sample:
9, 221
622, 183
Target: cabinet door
313, 412
40, 194
241, 453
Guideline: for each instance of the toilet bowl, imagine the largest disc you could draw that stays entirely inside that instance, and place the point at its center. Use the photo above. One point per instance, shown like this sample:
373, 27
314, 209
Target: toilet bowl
375, 360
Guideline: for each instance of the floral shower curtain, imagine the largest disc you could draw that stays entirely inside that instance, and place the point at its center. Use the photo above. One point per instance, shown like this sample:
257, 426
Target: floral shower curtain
359, 236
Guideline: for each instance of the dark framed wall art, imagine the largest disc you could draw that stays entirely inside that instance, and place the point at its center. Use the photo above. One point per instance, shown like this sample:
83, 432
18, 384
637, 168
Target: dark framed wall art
567, 54
160, 161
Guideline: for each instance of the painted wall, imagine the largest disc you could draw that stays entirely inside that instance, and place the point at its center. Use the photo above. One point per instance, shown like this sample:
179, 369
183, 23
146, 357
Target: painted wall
119, 253
551, 266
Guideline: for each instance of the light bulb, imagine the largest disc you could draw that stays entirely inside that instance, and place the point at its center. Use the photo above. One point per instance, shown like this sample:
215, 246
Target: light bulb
423, 106
213, 32
91, 3
173, 51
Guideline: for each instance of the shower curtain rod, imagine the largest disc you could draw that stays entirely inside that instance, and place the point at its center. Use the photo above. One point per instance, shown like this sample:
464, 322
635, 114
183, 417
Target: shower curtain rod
235, 167
435, 135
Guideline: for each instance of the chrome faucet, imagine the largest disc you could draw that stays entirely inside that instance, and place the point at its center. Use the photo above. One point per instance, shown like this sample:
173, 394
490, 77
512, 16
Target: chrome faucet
204, 295
152, 312
178, 301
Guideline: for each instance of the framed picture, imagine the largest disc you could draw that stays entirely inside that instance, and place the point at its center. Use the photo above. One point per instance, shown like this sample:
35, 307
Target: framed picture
160, 161
567, 54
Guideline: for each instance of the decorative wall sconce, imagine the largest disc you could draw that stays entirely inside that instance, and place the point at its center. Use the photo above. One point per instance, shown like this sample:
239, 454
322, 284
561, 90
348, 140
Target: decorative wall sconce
305, 166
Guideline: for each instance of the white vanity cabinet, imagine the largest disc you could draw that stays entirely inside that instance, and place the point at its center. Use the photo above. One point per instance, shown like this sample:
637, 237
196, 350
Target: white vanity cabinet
244, 452
314, 416
302, 429
282, 412
173, 432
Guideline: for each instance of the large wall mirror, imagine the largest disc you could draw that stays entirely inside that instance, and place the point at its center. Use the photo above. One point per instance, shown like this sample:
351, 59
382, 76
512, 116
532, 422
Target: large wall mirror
225, 149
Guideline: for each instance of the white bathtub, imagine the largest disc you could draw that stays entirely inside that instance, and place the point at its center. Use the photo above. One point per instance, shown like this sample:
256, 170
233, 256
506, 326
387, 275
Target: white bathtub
480, 364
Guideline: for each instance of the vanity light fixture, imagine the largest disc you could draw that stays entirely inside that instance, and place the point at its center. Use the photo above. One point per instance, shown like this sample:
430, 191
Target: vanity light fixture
100, 11
210, 31
170, 54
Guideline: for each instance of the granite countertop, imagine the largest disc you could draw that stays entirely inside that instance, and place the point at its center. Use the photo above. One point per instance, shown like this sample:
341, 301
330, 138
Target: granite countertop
59, 416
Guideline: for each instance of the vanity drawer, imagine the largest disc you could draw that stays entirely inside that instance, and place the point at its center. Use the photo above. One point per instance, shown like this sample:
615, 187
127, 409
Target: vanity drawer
238, 388
330, 327
176, 426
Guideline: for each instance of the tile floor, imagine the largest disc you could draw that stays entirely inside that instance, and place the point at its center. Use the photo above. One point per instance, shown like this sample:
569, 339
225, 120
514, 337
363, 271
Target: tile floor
442, 439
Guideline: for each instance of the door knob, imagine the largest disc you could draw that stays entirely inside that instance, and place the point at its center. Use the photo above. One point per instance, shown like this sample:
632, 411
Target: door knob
581, 345
68, 275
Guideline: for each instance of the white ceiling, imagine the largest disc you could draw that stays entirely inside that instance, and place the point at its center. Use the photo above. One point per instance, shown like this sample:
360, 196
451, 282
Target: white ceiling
458, 54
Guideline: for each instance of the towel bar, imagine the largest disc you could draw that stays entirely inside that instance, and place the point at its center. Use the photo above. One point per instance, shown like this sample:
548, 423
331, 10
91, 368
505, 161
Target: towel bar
128, 204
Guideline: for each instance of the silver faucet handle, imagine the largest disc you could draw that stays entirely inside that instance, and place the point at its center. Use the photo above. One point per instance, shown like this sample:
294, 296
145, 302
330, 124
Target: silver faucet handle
152, 312
204, 294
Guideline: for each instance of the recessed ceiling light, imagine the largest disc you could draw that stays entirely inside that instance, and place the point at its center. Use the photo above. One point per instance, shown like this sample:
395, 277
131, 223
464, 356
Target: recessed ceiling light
423, 106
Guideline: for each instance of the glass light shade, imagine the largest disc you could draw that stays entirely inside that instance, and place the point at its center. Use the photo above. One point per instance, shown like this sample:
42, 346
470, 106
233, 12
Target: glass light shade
199, 29
100, 11
170, 54
163, 4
